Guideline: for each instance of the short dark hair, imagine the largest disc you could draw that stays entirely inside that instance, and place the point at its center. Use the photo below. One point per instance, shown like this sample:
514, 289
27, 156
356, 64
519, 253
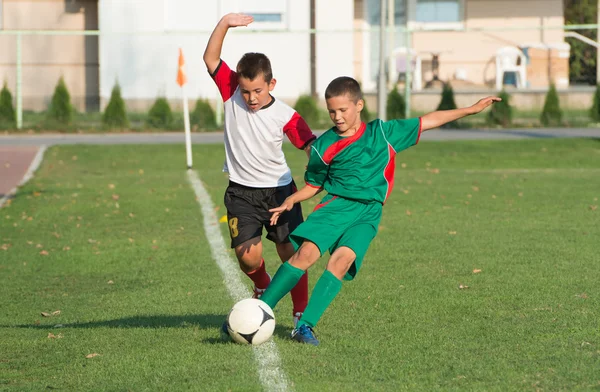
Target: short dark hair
342, 86
252, 65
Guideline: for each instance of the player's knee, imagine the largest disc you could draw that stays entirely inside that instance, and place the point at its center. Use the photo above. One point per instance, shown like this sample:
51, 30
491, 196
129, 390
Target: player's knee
306, 256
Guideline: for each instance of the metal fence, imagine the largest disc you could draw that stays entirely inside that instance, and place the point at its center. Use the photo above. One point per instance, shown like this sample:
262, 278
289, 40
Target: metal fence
475, 60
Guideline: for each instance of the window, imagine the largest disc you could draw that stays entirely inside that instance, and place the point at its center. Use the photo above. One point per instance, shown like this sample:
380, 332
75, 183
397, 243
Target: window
438, 11
268, 14
267, 18
436, 14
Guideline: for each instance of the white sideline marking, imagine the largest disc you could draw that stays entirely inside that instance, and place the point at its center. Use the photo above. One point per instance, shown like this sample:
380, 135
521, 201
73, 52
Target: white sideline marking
33, 166
269, 364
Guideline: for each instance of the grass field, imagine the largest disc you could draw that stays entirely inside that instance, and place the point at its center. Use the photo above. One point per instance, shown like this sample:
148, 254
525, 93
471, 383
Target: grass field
484, 276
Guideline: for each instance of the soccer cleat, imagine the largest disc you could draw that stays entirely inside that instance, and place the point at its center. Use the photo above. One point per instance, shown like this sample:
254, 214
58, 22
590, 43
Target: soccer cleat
259, 292
225, 332
297, 317
305, 334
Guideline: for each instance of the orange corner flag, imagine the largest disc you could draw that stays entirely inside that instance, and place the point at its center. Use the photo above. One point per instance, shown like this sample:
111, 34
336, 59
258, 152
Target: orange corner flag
181, 77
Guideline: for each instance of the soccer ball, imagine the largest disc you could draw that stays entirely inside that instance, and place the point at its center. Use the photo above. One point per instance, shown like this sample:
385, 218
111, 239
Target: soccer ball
251, 321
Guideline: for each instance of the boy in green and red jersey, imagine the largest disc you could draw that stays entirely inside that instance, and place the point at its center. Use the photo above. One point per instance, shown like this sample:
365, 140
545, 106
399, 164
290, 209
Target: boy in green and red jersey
354, 163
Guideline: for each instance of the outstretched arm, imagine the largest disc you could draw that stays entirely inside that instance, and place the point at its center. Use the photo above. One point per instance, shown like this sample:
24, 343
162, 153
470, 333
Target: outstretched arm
212, 54
303, 194
441, 117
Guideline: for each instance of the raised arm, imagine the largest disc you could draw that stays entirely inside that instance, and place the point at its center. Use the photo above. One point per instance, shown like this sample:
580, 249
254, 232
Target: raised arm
441, 117
303, 194
212, 54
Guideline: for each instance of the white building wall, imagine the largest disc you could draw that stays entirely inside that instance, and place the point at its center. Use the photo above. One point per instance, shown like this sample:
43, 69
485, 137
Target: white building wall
144, 59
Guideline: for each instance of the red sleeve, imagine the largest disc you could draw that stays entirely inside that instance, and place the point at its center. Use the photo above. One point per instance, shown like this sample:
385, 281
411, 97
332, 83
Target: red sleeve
225, 79
298, 131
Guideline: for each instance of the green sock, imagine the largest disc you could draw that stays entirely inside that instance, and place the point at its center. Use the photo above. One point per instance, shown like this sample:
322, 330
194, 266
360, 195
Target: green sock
284, 280
327, 287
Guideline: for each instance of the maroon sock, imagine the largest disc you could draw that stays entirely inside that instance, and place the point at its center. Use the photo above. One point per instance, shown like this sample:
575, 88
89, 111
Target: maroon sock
259, 276
300, 294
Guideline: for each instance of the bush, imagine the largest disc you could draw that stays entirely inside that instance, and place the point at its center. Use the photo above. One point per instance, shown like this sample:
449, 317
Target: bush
203, 116
306, 106
595, 110
60, 109
396, 105
448, 103
160, 115
115, 115
365, 114
501, 112
7, 111
551, 114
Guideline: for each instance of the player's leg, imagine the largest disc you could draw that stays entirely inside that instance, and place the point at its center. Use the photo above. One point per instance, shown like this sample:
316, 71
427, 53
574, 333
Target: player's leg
245, 230
249, 256
345, 261
280, 233
290, 272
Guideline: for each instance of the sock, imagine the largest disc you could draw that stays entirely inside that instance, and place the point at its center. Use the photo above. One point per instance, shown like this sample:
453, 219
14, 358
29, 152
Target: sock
259, 276
300, 294
284, 280
326, 289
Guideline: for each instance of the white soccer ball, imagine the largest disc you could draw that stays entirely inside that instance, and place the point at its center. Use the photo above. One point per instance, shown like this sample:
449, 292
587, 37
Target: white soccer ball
251, 321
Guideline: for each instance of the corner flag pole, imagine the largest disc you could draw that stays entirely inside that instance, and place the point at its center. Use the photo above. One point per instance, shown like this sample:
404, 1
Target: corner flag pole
181, 81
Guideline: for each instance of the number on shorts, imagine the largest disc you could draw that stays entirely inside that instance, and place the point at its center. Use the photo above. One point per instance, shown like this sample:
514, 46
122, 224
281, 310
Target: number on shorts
233, 229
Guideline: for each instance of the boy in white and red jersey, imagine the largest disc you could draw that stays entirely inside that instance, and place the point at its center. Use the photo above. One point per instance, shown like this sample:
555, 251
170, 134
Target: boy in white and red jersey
259, 177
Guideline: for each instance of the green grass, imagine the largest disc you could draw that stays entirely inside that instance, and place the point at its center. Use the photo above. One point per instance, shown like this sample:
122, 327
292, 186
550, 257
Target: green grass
525, 213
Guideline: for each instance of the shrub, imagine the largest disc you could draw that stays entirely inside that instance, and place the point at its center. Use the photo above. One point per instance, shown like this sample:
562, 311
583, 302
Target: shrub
595, 110
7, 111
448, 103
115, 115
60, 109
396, 105
160, 115
551, 114
501, 112
203, 115
306, 106
365, 114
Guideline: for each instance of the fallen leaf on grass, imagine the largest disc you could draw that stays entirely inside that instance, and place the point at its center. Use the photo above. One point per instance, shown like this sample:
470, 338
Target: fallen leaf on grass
92, 355
53, 336
115, 197
476, 271
44, 253
582, 295
593, 208
131, 215
111, 186
110, 282
408, 213
452, 232
462, 286
67, 248
55, 313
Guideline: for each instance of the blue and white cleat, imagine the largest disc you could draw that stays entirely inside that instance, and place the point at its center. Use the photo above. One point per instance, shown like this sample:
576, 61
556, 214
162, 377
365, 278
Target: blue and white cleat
305, 334
225, 332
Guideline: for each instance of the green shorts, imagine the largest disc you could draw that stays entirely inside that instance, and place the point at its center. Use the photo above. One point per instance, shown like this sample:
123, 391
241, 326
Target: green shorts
337, 222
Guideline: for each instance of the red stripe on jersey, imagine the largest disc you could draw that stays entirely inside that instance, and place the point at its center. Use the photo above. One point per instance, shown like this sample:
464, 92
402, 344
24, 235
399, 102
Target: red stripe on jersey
420, 130
225, 79
389, 171
324, 204
313, 186
298, 131
339, 146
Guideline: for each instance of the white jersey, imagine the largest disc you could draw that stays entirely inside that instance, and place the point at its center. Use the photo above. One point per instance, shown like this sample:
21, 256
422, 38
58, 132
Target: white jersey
253, 140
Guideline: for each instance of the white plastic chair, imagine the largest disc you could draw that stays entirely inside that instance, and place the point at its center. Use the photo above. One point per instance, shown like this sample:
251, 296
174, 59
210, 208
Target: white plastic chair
511, 59
397, 65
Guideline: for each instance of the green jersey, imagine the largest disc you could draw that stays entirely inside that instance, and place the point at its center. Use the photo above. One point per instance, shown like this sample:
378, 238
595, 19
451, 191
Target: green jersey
361, 167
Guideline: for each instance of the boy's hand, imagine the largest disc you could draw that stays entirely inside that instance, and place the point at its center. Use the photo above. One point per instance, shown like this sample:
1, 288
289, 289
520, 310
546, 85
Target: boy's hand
483, 103
236, 20
287, 205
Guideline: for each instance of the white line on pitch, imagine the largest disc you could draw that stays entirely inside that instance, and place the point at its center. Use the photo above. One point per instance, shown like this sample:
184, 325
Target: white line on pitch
33, 166
269, 363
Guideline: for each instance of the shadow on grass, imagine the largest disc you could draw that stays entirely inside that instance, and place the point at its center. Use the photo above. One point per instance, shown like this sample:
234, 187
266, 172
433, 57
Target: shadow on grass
204, 321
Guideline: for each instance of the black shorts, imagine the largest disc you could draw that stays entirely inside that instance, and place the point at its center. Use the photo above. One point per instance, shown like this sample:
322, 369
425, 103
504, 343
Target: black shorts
248, 211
